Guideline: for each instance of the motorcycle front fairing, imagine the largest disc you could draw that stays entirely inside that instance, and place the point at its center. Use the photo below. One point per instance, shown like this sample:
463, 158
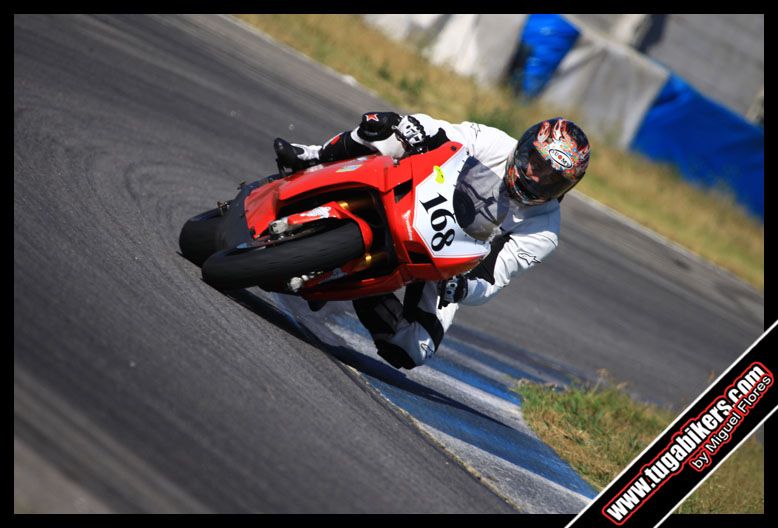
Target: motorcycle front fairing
415, 234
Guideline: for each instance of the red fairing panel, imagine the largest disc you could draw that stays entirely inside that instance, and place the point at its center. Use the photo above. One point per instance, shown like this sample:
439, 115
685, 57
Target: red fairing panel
366, 171
435, 252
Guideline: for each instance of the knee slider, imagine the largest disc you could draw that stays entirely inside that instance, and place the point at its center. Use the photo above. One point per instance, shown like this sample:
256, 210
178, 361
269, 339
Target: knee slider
394, 355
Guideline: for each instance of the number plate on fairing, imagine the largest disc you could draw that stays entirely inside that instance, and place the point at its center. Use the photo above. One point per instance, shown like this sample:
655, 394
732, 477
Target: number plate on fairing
434, 219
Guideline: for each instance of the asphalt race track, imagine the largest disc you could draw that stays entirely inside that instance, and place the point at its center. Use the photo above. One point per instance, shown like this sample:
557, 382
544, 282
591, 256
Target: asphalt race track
138, 388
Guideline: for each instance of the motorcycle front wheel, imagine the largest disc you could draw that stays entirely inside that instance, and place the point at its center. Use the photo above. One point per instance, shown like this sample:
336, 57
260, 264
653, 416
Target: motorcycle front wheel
271, 266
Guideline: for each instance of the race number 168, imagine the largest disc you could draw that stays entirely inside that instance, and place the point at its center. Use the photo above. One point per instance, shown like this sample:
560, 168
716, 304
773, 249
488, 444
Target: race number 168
439, 221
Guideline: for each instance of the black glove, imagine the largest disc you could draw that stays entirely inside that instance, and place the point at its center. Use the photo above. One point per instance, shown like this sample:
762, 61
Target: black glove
452, 290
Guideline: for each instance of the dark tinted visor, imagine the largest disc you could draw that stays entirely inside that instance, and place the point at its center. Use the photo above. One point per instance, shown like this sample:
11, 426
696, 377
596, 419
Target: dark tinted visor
539, 179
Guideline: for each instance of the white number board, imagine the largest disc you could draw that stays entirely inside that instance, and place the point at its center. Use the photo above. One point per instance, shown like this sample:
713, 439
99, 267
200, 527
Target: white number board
434, 219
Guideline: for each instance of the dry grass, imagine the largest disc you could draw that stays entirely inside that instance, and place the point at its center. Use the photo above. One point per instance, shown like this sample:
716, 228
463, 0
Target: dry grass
599, 431
708, 223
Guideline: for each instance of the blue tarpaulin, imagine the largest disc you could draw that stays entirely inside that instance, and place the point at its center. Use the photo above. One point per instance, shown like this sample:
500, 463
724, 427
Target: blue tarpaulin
709, 144
545, 41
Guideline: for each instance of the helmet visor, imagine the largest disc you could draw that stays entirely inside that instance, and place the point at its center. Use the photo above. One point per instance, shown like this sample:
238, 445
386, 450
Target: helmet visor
535, 181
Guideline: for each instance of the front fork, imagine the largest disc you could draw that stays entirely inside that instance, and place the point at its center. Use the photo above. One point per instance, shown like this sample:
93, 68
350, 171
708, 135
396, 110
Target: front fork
341, 210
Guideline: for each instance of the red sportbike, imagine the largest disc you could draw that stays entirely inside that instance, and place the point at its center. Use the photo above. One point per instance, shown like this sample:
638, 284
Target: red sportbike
339, 231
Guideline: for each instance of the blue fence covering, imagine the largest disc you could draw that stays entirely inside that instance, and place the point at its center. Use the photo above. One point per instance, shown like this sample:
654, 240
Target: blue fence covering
545, 41
709, 144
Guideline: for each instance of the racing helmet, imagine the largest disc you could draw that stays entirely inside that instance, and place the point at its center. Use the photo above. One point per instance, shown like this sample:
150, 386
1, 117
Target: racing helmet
550, 158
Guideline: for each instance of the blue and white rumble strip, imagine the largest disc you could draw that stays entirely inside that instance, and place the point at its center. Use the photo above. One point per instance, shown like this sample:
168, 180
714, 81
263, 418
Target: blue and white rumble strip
462, 399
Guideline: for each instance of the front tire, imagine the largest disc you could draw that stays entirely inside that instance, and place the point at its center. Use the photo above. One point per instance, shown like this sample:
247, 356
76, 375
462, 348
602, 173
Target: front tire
271, 266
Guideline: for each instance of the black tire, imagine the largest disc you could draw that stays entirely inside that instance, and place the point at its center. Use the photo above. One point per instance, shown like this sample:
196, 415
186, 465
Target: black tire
198, 239
270, 267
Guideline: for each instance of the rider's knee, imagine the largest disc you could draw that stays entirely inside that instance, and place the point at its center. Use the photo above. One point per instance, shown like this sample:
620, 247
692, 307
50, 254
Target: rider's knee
395, 355
408, 349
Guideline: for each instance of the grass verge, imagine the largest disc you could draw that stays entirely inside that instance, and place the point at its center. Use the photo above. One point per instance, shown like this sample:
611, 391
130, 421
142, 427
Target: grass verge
708, 223
599, 430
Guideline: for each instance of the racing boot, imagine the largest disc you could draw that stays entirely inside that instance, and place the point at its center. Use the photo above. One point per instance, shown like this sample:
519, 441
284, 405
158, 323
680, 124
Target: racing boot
295, 157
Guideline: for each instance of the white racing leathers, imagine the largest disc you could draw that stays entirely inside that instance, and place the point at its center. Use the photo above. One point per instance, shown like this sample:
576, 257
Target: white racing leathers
521, 236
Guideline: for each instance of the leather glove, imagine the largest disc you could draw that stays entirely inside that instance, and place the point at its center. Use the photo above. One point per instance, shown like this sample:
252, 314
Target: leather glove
452, 290
410, 133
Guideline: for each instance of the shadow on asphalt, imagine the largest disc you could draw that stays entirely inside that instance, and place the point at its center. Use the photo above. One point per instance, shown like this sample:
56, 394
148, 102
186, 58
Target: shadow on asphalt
357, 360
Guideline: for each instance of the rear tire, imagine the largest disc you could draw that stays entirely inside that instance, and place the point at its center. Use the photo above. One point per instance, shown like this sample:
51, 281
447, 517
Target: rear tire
198, 238
272, 266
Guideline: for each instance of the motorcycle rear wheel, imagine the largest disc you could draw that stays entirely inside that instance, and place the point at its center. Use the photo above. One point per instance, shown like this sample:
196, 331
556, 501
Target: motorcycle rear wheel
198, 238
270, 267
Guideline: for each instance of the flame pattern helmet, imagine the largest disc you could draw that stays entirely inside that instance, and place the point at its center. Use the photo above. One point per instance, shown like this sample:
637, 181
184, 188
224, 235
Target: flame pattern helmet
551, 157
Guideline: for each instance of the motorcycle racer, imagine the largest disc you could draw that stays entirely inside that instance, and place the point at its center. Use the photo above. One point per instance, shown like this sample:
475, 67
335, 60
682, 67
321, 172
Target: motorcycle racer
518, 185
